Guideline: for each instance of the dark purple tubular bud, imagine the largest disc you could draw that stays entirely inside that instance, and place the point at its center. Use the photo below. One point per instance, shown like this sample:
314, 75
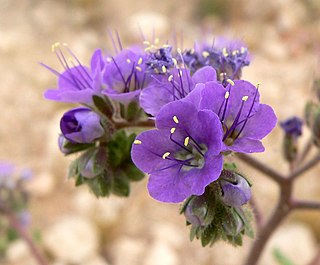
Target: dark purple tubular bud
293, 129
292, 126
81, 125
196, 211
234, 223
235, 188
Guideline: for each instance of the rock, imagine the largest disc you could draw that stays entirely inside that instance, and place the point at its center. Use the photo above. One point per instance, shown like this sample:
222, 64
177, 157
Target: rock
18, 253
97, 260
161, 253
103, 211
72, 239
128, 250
295, 241
168, 233
42, 184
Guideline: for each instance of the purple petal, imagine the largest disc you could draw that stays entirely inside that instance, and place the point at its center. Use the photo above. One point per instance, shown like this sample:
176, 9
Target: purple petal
71, 96
205, 74
124, 98
194, 96
245, 145
147, 155
261, 123
212, 97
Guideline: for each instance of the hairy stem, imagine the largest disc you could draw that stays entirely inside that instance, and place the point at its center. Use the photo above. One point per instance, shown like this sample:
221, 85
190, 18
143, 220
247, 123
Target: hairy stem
146, 123
306, 167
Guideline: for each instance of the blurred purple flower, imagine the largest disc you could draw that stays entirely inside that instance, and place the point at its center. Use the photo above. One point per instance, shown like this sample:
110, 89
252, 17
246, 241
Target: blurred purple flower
182, 155
81, 125
292, 126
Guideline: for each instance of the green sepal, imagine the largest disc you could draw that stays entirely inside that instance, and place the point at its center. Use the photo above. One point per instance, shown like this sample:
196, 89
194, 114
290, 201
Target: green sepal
103, 105
75, 147
101, 186
121, 185
133, 111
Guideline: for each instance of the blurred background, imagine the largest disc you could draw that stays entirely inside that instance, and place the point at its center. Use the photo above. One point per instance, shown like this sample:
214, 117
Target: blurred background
75, 227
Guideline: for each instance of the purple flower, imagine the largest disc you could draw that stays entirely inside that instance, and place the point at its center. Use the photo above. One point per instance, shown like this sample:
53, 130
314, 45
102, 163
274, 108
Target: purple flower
81, 125
160, 60
174, 86
292, 126
182, 155
78, 83
226, 56
235, 189
244, 120
125, 76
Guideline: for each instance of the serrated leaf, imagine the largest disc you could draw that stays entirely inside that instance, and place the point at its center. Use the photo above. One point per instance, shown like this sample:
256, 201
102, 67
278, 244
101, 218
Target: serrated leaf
121, 185
132, 172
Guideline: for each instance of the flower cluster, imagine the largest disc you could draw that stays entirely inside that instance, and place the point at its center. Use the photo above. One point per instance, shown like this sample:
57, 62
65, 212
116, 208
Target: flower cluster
201, 109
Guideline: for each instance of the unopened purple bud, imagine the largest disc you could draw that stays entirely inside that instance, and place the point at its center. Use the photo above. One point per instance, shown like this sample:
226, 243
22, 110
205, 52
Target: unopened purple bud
196, 211
292, 126
236, 190
81, 125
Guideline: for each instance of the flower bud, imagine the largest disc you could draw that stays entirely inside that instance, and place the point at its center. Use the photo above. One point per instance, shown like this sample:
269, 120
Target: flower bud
92, 163
233, 224
81, 125
235, 189
293, 129
196, 211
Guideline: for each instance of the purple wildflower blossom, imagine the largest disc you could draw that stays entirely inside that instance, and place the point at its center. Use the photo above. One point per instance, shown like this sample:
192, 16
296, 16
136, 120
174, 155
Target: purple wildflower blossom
244, 120
81, 125
182, 155
166, 88
160, 60
125, 76
78, 83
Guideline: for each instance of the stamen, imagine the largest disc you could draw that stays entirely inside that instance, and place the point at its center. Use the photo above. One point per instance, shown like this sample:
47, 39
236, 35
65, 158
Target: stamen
175, 119
146, 42
243, 50
226, 95
164, 69
180, 73
175, 62
245, 98
258, 85
54, 46
230, 82
172, 130
224, 52
235, 52
128, 61
170, 78
186, 141
109, 60
139, 68
205, 54
165, 155
140, 61
137, 142
178, 50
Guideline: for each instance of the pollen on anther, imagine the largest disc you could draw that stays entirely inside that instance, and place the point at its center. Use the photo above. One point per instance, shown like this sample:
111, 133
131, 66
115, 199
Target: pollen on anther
258, 84
245, 98
170, 78
178, 50
146, 42
172, 130
226, 95
224, 52
230, 82
139, 68
205, 54
243, 50
164, 69
186, 141
175, 62
137, 142
128, 61
175, 119
165, 155
140, 61
54, 46
109, 60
